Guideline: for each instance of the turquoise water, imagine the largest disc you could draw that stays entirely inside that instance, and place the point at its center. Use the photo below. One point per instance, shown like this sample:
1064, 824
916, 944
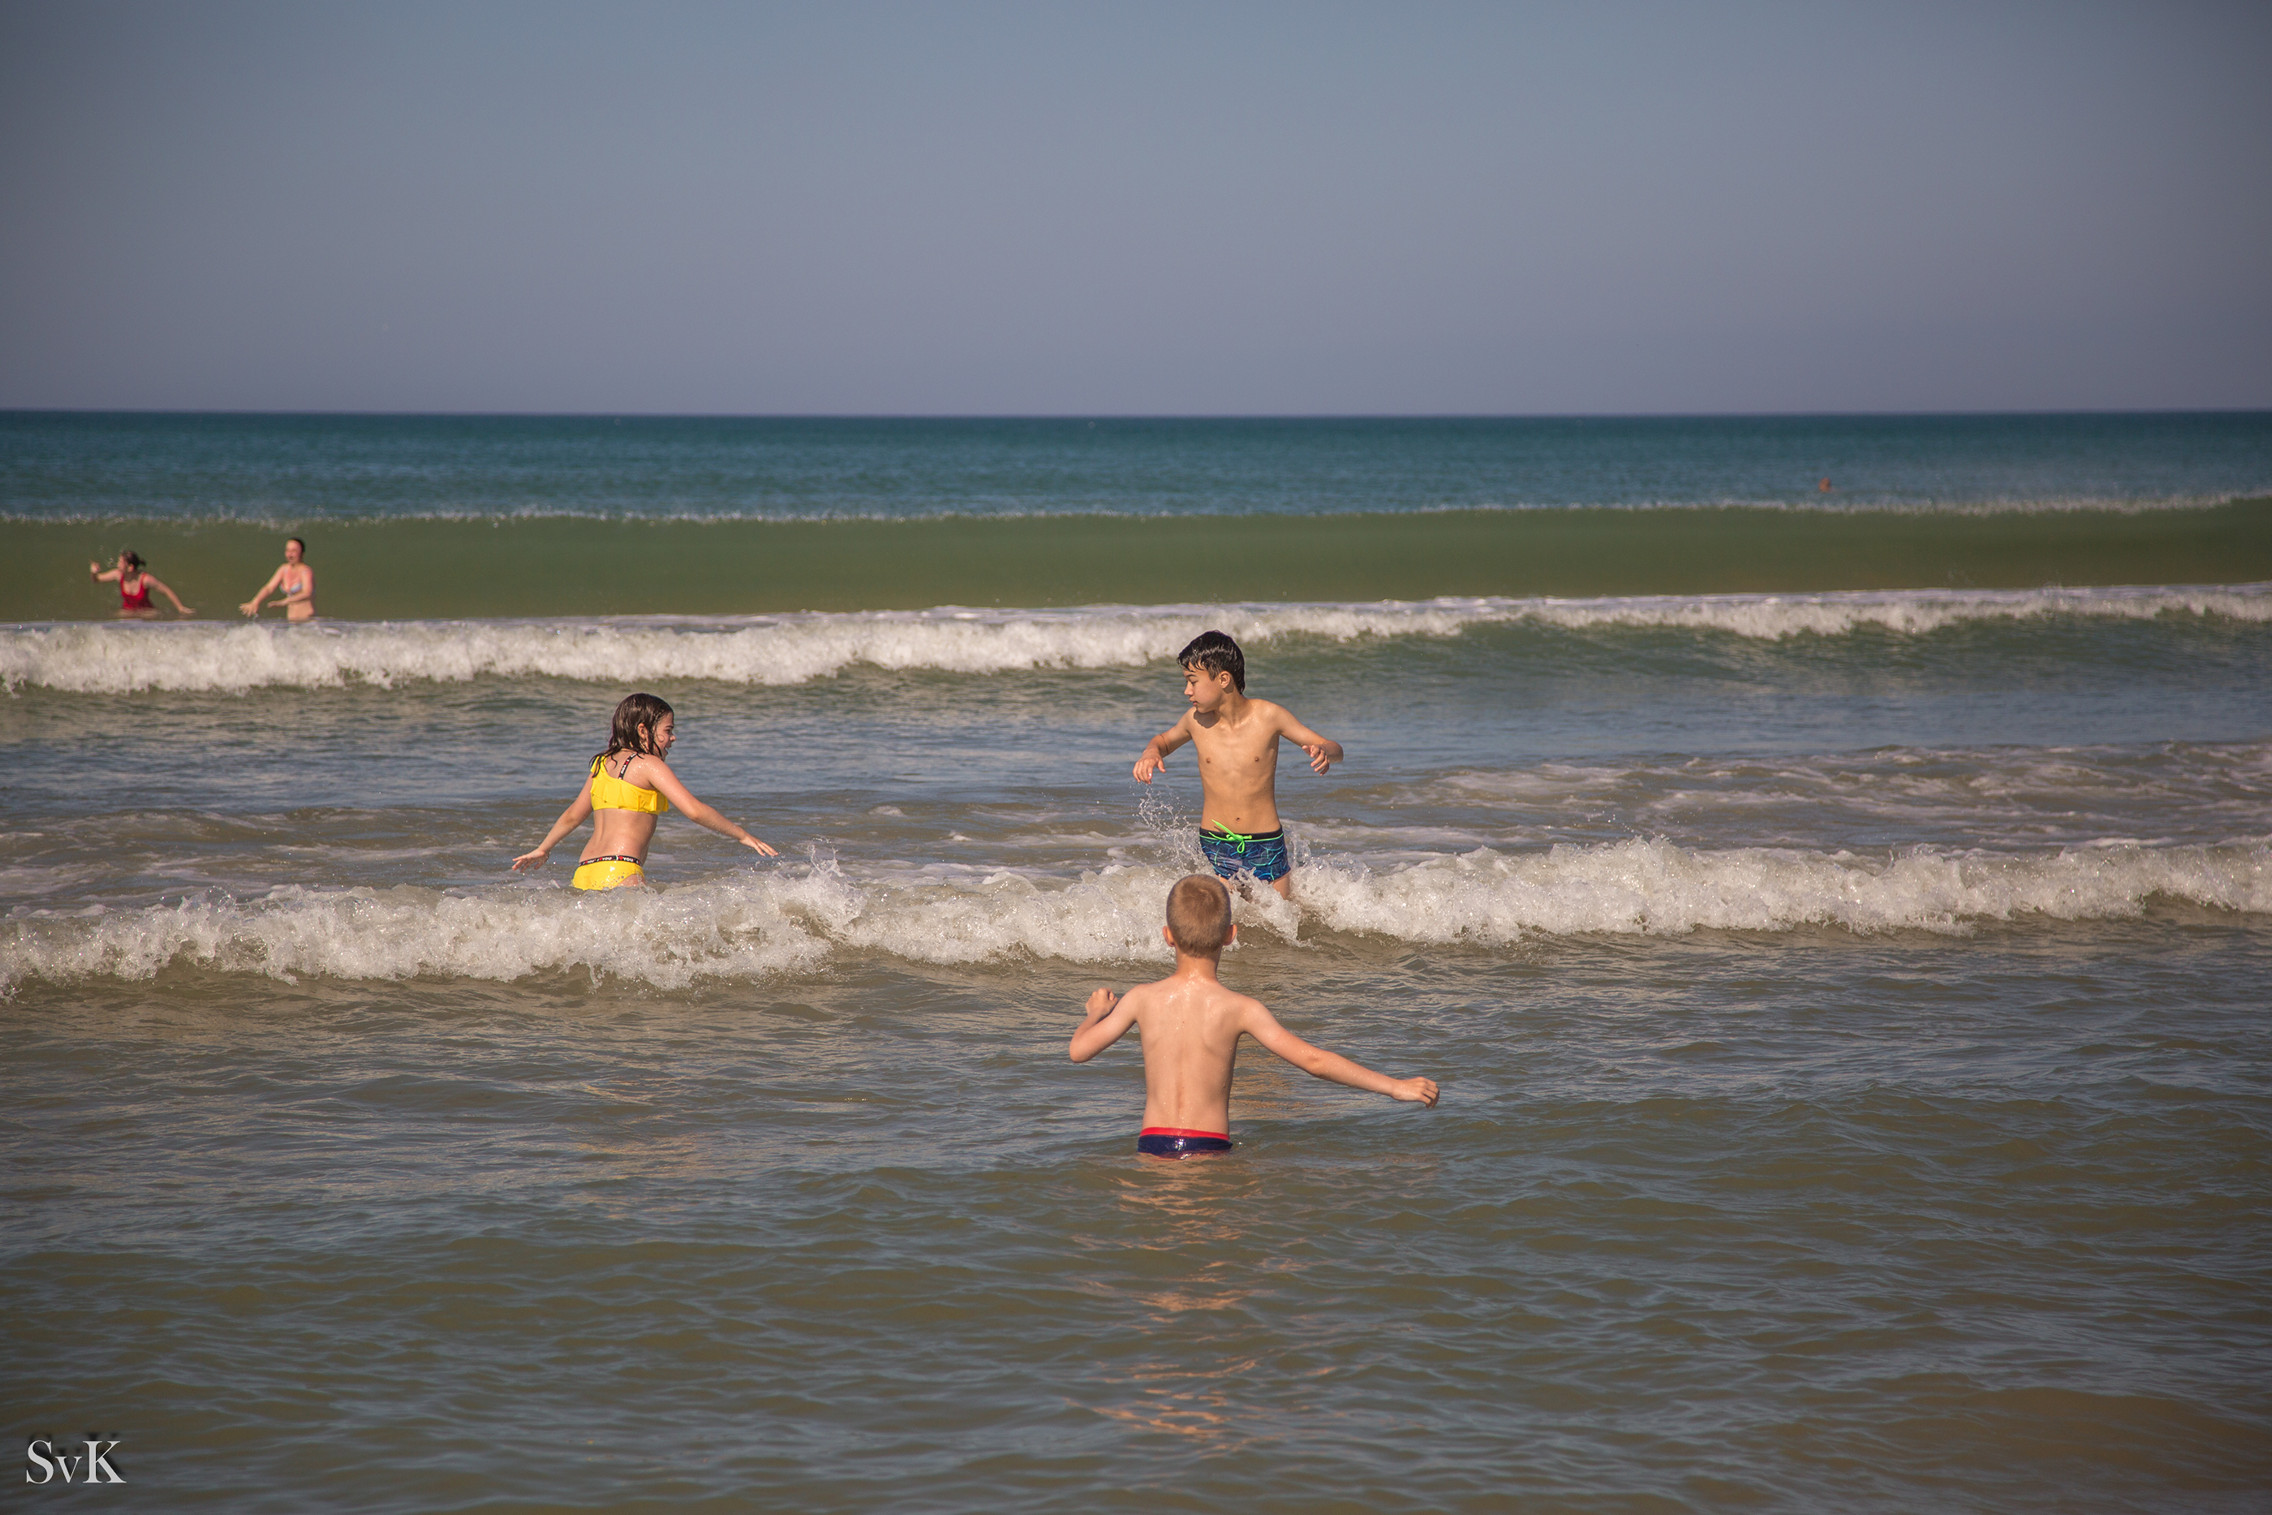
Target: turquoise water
1849, 1001
299, 469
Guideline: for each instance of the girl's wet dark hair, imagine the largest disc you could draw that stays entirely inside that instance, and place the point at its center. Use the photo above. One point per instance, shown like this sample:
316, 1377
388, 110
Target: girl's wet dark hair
303, 541
133, 560
635, 722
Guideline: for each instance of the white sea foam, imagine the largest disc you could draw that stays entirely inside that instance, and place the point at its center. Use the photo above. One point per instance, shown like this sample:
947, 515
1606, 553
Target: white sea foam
797, 919
1655, 888
102, 658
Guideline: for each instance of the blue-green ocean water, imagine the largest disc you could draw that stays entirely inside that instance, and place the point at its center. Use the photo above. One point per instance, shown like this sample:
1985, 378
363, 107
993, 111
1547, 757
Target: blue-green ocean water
297, 469
1850, 1002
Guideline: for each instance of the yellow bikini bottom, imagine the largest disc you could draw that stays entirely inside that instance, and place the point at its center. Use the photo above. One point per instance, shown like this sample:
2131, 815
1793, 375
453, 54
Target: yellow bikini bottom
609, 873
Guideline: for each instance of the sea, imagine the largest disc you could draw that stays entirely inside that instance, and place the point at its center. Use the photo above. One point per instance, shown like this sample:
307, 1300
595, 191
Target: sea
1825, 861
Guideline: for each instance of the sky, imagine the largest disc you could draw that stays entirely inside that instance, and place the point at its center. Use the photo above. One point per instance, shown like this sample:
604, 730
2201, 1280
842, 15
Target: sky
1157, 208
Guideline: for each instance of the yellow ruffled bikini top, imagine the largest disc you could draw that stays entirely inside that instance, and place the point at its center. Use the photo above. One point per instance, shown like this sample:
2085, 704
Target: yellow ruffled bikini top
612, 793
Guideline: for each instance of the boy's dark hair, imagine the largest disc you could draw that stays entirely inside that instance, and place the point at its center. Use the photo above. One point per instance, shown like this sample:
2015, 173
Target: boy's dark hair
1199, 913
1215, 652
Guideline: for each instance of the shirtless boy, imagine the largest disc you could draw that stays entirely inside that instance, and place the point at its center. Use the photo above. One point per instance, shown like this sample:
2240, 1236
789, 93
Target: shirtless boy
1237, 739
1191, 1027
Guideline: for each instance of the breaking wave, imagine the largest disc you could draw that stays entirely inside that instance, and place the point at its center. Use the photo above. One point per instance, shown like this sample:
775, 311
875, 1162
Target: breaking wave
794, 649
798, 918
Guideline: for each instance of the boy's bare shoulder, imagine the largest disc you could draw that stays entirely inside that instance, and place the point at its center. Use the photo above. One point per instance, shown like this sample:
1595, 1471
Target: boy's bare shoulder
1232, 1003
1273, 713
1217, 997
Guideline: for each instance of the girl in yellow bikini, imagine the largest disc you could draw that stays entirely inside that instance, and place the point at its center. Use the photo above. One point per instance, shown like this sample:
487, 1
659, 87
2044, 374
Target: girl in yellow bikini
630, 785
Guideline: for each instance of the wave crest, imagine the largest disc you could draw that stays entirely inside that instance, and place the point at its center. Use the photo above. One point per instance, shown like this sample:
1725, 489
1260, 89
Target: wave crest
797, 919
793, 649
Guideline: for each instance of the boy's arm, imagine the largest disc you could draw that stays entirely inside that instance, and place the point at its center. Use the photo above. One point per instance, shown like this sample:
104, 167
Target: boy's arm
1106, 1021
1260, 1024
1157, 749
1323, 750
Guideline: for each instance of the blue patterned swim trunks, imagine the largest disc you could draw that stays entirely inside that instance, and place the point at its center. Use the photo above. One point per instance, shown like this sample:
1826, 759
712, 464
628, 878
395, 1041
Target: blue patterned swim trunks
1231, 853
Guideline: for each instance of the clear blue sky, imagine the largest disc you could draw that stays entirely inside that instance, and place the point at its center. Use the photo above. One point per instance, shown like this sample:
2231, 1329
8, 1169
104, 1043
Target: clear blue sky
1135, 208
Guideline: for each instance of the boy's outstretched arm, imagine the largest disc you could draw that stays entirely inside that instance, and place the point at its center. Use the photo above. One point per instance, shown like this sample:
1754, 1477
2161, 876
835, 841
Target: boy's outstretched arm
1157, 749
1319, 1063
1323, 751
1106, 1020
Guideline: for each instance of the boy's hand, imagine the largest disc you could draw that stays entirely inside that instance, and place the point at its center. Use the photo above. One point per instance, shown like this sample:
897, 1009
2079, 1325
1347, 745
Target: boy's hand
1415, 1091
1147, 765
1320, 759
1100, 1006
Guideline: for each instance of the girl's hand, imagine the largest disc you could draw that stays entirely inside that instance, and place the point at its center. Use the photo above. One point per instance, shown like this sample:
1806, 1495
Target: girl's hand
250, 607
536, 859
751, 841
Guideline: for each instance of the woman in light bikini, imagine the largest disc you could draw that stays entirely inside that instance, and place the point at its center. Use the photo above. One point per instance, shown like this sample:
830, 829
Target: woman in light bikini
294, 585
629, 787
134, 585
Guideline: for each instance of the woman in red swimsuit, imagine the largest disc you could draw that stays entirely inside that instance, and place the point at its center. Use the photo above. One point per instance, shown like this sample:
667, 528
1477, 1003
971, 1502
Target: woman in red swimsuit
134, 585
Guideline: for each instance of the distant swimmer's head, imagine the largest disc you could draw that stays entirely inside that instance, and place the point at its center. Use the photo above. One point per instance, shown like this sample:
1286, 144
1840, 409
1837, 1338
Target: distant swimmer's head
295, 550
1199, 915
1212, 667
643, 724
130, 561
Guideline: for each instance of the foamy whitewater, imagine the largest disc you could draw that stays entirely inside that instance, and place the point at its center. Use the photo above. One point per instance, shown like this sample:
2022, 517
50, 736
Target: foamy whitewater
798, 919
120, 659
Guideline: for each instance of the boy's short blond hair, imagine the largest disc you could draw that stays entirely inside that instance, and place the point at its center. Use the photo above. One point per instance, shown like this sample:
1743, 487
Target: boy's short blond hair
1199, 914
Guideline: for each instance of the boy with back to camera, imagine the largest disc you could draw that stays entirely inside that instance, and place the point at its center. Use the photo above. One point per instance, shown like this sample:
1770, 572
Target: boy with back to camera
1237, 740
1191, 1027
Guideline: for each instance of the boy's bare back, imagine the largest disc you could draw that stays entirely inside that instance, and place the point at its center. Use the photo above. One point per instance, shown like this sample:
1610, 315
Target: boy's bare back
1191, 1025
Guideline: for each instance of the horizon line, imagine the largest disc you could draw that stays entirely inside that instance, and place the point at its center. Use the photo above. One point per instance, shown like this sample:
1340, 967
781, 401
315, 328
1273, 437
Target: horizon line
1092, 417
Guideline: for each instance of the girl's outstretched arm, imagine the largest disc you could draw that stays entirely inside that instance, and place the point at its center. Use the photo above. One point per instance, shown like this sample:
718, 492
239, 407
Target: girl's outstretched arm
154, 582
657, 775
102, 575
570, 819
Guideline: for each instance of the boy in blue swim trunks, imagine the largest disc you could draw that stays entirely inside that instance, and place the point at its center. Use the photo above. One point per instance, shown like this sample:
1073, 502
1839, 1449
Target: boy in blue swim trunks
1237, 739
1191, 1027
